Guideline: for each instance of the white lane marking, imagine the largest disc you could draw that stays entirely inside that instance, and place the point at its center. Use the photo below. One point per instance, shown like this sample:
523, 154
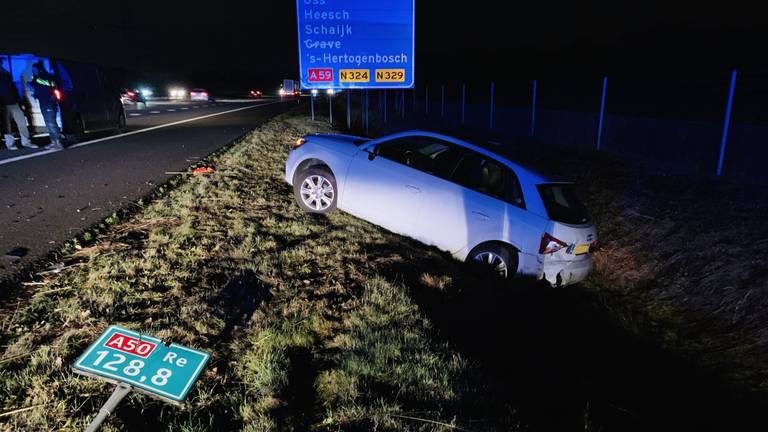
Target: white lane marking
184, 108
171, 110
134, 114
195, 106
149, 129
154, 112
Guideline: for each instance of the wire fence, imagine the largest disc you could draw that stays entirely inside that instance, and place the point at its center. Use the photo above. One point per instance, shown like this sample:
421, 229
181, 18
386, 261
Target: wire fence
710, 141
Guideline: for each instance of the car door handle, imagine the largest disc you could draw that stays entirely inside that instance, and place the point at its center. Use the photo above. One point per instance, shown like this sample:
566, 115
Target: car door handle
413, 189
481, 216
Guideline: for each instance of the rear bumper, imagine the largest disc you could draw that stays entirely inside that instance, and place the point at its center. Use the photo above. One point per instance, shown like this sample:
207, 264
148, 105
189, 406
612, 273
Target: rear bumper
562, 273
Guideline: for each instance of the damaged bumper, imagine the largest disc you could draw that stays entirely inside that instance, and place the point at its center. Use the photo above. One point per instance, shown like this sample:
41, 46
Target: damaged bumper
562, 273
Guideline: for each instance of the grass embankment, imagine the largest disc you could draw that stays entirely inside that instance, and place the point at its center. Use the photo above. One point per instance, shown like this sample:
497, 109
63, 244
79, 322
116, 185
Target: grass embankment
682, 262
302, 329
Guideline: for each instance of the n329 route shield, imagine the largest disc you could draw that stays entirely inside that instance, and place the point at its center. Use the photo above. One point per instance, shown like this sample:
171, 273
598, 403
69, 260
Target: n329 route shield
356, 43
121, 355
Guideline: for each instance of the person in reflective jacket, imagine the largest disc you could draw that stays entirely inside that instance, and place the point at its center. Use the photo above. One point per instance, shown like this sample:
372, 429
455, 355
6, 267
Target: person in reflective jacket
43, 87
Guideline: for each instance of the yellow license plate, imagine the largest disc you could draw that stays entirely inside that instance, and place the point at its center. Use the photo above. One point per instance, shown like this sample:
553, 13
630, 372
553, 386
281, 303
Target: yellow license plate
390, 75
581, 249
355, 75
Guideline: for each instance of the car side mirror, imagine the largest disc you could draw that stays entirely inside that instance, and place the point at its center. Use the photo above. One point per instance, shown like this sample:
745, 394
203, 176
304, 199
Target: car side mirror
371, 153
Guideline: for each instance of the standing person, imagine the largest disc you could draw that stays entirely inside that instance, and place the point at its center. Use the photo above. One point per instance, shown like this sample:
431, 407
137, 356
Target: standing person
43, 87
9, 101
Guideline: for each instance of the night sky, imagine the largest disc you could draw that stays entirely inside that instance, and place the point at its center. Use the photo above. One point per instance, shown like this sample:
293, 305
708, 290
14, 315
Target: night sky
228, 44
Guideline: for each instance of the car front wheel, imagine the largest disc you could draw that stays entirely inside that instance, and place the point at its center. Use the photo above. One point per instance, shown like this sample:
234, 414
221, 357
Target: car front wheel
494, 260
315, 190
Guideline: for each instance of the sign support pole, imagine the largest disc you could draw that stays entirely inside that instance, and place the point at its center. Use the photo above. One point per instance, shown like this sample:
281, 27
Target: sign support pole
349, 106
330, 109
385, 106
312, 100
402, 104
121, 391
365, 111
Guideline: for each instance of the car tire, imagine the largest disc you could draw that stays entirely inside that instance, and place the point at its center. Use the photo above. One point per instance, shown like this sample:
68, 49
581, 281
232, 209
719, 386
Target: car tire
495, 260
315, 190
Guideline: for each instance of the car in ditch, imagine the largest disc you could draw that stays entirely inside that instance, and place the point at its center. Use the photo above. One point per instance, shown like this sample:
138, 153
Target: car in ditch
463, 198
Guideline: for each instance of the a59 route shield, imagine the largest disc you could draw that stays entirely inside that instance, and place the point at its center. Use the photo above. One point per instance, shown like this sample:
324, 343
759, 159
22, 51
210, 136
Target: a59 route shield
144, 362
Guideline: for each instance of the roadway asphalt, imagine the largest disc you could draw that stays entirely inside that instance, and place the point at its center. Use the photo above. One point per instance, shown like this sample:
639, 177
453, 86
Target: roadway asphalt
47, 198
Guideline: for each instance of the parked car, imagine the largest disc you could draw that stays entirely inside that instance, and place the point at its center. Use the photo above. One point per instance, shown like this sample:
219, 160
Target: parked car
256, 94
462, 198
132, 97
87, 99
200, 95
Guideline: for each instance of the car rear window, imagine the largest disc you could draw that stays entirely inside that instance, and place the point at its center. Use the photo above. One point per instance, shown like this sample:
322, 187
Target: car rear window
562, 204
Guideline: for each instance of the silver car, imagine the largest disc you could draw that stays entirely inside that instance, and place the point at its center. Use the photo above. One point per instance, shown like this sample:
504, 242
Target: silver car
462, 198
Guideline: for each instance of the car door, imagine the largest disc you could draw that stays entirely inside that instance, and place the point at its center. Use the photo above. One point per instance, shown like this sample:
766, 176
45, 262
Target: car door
384, 184
488, 200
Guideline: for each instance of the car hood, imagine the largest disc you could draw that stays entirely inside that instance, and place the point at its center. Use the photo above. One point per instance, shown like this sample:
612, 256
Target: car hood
347, 144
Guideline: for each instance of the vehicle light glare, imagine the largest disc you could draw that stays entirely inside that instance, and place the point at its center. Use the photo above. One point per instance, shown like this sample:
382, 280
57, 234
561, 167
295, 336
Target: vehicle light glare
147, 92
314, 92
330, 92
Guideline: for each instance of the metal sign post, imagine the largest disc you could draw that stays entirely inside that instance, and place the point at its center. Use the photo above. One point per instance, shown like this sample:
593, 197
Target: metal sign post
142, 363
356, 43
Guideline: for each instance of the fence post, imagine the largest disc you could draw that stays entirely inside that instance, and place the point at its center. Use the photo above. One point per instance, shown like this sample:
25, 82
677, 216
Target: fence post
727, 123
349, 106
463, 100
442, 101
533, 111
602, 114
490, 115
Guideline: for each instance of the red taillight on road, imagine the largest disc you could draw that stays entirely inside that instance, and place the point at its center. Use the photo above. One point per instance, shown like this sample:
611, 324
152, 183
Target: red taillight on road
57, 94
550, 245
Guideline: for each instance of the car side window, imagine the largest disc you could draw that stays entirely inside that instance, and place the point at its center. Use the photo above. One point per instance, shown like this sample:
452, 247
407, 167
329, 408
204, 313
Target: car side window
425, 154
489, 177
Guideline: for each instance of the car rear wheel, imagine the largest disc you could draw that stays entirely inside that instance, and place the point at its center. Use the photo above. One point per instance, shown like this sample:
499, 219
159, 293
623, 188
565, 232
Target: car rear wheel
494, 260
315, 190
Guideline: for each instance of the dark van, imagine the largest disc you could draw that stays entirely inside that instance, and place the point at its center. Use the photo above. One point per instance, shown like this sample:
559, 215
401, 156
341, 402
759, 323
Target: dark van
88, 102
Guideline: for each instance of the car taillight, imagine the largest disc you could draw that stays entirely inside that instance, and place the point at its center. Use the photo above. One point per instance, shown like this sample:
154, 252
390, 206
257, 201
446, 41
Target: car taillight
299, 142
550, 245
57, 94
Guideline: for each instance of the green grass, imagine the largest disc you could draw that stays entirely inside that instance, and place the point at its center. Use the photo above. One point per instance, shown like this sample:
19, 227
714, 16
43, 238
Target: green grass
312, 337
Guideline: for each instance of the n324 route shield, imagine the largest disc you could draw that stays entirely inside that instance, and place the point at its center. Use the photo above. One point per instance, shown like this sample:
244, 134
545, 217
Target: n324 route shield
121, 355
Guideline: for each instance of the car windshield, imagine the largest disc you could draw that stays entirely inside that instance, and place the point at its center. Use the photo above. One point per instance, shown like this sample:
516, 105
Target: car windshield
562, 204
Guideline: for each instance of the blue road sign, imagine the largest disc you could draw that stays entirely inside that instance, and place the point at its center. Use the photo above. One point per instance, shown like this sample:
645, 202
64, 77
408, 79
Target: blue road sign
356, 43
121, 355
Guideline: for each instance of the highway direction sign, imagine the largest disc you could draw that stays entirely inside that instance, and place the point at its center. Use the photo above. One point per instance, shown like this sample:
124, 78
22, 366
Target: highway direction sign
144, 362
356, 43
